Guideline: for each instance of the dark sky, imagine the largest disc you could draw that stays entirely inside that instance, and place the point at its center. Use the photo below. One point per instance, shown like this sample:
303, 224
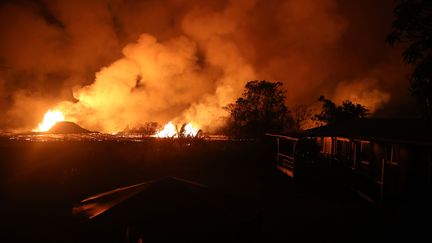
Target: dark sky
192, 58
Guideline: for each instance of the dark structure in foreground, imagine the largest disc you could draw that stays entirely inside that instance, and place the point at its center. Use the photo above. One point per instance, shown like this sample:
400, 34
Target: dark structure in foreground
387, 161
164, 209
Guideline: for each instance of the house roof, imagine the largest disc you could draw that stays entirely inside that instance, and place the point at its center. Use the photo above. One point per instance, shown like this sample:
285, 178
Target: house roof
165, 206
414, 131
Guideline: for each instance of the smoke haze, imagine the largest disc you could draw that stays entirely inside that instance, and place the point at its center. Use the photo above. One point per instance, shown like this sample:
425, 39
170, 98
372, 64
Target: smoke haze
112, 64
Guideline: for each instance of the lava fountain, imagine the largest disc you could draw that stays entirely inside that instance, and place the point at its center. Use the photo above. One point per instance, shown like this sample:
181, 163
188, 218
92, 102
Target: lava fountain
170, 131
50, 118
190, 130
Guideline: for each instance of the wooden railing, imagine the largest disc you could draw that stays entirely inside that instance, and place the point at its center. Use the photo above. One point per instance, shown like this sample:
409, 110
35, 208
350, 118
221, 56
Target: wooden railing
285, 162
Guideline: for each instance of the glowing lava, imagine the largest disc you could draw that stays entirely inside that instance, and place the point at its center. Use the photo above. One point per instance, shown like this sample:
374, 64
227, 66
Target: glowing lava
170, 131
190, 131
49, 120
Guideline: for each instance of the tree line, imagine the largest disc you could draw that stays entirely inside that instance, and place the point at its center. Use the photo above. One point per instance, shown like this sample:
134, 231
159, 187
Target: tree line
262, 109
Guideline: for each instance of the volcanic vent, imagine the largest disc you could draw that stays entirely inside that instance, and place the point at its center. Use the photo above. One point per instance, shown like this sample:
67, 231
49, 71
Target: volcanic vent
66, 127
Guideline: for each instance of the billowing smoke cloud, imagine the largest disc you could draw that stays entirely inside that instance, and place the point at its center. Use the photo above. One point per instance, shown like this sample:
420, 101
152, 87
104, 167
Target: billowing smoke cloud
363, 91
185, 60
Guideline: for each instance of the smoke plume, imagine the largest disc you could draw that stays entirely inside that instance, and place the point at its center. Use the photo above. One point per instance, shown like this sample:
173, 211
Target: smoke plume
112, 64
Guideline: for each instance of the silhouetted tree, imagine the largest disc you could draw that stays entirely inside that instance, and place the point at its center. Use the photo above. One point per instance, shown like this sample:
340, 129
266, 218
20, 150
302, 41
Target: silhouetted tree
148, 128
261, 109
302, 115
331, 113
182, 133
413, 26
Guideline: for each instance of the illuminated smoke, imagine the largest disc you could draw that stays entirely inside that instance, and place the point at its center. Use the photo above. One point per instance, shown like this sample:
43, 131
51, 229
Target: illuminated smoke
364, 91
164, 81
182, 61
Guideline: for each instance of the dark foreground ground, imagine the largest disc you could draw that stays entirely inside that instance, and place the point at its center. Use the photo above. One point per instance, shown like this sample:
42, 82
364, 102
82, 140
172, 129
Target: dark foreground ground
42, 181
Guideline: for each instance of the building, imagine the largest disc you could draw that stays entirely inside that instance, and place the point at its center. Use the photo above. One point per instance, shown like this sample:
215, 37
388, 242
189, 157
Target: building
386, 161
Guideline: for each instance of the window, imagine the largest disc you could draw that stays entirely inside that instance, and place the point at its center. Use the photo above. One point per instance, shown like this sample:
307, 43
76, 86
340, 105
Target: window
286, 146
343, 149
326, 148
320, 143
365, 152
392, 154
363, 157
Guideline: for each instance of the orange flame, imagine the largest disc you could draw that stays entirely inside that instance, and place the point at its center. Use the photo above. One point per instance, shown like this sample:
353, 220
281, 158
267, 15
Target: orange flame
190, 130
170, 130
50, 118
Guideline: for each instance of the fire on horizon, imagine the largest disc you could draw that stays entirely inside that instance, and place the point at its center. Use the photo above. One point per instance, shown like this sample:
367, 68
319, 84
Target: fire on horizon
107, 65
49, 120
170, 130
